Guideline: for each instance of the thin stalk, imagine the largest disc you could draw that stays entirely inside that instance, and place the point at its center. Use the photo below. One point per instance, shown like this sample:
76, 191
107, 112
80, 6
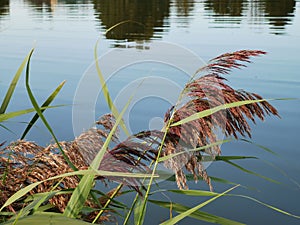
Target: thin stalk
108, 202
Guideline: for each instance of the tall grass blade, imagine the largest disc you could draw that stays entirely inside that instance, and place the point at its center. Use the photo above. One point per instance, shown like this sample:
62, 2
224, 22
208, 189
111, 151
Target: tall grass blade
6, 128
233, 157
164, 158
45, 104
46, 218
250, 172
207, 193
82, 190
22, 192
260, 146
106, 94
41, 115
105, 90
269, 206
184, 214
213, 110
13, 84
10, 115
199, 215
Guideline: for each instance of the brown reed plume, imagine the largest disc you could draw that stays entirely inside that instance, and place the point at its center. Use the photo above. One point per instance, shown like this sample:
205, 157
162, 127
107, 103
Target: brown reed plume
23, 163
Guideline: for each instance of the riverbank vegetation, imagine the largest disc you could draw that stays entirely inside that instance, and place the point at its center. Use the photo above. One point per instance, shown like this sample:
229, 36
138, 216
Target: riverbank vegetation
58, 183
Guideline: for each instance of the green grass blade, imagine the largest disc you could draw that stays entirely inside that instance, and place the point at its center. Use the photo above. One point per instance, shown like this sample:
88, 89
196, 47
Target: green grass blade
260, 146
90, 172
6, 128
186, 213
45, 104
10, 115
198, 193
268, 206
233, 157
199, 215
195, 192
250, 172
13, 84
46, 218
41, 115
211, 111
106, 94
83, 189
190, 177
224, 181
164, 158
105, 207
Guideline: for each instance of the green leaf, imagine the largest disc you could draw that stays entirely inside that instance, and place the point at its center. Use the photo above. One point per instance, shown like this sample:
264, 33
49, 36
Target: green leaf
224, 181
13, 84
233, 157
82, 190
267, 205
186, 213
41, 115
164, 158
46, 218
211, 111
45, 104
6, 128
250, 172
10, 115
106, 93
89, 172
194, 192
260, 146
199, 215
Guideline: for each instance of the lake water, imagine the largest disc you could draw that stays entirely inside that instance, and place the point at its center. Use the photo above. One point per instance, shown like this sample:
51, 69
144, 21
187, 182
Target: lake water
65, 32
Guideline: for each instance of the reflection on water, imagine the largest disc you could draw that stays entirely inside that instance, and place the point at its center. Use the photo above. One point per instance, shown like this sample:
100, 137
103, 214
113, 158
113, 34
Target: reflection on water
47, 7
276, 13
151, 15
4, 11
155, 15
225, 7
4, 8
184, 12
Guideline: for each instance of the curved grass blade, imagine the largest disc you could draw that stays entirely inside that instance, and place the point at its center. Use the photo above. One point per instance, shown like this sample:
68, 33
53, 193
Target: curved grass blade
13, 84
186, 213
199, 215
106, 94
90, 172
233, 157
83, 189
10, 115
164, 158
250, 172
207, 193
213, 110
41, 115
45, 104
105, 90
46, 218
267, 205
260, 146
6, 128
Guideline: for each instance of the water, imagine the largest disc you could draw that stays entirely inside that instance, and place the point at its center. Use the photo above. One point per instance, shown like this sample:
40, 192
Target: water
64, 34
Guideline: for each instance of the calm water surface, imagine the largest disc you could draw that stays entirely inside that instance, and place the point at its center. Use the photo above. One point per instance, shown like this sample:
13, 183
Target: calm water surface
64, 34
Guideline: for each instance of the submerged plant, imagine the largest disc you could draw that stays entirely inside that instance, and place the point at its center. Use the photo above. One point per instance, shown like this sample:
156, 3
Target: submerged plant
206, 106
